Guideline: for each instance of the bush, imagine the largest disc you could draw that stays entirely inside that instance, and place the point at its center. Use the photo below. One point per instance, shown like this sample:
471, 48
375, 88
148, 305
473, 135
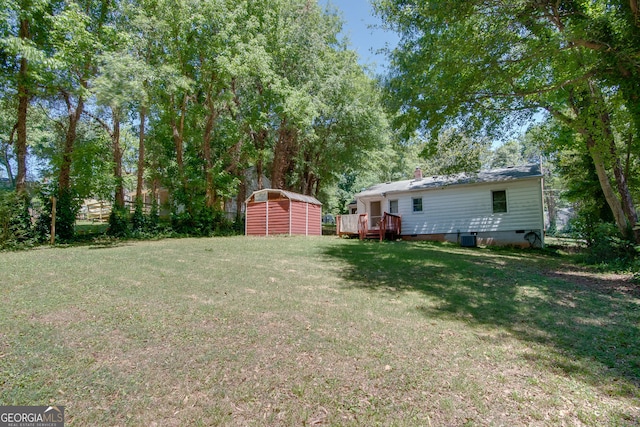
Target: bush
138, 219
15, 220
607, 247
203, 222
118, 222
67, 207
152, 222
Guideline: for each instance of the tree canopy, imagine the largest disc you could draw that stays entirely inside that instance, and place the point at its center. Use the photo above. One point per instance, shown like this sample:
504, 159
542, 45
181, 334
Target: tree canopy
486, 66
218, 93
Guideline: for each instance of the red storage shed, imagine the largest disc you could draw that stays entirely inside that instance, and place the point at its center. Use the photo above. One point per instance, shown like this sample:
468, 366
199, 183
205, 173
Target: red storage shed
270, 212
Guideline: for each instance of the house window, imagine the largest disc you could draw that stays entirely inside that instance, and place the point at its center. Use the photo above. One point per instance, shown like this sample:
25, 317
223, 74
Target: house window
499, 201
417, 204
393, 206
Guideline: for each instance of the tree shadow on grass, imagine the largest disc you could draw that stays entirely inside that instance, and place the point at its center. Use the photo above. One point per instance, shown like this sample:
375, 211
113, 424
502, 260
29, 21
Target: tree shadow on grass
594, 330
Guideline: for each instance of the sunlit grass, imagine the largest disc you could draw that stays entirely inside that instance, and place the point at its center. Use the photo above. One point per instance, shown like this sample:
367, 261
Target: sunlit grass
314, 331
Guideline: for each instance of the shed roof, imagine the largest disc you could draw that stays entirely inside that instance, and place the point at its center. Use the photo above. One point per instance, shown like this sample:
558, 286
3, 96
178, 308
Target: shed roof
287, 194
429, 182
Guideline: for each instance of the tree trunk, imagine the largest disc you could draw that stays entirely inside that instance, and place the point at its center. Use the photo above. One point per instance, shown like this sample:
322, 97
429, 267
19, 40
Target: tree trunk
607, 188
6, 162
592, 122
23, 104
177, 129
140, 182
117, 158
624, 193
259, 141
206, 153
64, 177
283, 154
241, 197
551, 209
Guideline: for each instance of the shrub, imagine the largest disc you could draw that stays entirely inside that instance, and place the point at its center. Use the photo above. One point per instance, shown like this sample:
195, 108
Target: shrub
118, 222
15, 220
138, 219
607, 247
203, 222
67, 207
153, 220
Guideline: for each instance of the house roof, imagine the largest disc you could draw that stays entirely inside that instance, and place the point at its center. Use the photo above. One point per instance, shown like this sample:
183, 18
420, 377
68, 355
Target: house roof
287, 194
429, 182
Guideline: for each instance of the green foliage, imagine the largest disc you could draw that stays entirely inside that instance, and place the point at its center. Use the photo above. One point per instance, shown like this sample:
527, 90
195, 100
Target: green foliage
152, 222
203, 222
454, 152
605, 246
67, 207
15, 220
226, 87
489, 67
138, 220
118, 222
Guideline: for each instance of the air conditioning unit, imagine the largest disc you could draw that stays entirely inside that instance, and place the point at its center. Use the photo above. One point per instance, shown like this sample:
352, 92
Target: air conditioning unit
468, 241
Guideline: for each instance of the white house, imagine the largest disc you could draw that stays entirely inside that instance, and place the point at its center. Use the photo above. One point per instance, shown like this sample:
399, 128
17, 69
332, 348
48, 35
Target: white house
495, 207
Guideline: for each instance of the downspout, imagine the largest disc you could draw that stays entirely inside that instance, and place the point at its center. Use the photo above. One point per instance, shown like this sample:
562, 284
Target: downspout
290, 215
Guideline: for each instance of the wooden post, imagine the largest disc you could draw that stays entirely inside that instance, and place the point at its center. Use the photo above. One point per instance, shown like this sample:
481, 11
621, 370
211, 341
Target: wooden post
53, 220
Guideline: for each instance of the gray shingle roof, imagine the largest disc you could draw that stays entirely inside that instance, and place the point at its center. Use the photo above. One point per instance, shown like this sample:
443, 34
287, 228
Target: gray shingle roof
428, 182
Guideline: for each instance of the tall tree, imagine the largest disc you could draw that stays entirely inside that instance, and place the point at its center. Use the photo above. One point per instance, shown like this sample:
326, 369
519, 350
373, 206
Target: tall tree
24, 38
120, 86
79, 34
487, 64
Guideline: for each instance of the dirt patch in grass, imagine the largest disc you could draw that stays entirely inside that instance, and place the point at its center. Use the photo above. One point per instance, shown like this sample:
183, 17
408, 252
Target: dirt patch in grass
595, 281
63, 318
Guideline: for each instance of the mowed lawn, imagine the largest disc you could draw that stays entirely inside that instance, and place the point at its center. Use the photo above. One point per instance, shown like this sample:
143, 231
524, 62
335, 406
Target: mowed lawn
316, 331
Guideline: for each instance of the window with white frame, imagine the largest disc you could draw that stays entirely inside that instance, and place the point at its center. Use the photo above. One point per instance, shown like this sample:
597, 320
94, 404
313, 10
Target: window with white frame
417, 204
499, 199
393, 206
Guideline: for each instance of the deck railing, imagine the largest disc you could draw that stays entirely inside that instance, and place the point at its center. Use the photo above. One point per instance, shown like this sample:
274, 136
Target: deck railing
347, 225
390, 226
363, 225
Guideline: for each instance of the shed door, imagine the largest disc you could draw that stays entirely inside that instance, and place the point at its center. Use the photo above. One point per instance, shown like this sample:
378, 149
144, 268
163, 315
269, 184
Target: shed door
375, 214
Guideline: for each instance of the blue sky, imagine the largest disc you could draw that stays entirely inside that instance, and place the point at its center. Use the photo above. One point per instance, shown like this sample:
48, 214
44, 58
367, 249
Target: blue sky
360, 27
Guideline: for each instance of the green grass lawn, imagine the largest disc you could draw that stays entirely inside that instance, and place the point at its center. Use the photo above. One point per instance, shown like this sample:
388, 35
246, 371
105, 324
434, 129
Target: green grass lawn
316, 331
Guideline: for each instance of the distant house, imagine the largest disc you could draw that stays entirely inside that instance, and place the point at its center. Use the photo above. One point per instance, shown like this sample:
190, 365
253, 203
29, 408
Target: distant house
495, 207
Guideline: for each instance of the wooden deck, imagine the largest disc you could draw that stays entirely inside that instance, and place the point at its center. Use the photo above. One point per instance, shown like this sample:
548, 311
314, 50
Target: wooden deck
389, 227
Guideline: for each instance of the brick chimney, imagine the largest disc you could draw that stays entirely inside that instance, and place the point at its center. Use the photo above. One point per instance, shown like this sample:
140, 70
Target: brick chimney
417, 175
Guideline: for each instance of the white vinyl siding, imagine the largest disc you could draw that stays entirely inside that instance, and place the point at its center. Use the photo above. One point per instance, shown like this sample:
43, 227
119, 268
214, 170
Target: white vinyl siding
470, 208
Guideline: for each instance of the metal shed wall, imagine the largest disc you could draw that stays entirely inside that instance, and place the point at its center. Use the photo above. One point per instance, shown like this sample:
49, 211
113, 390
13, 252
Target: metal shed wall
281, 213
255, 223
